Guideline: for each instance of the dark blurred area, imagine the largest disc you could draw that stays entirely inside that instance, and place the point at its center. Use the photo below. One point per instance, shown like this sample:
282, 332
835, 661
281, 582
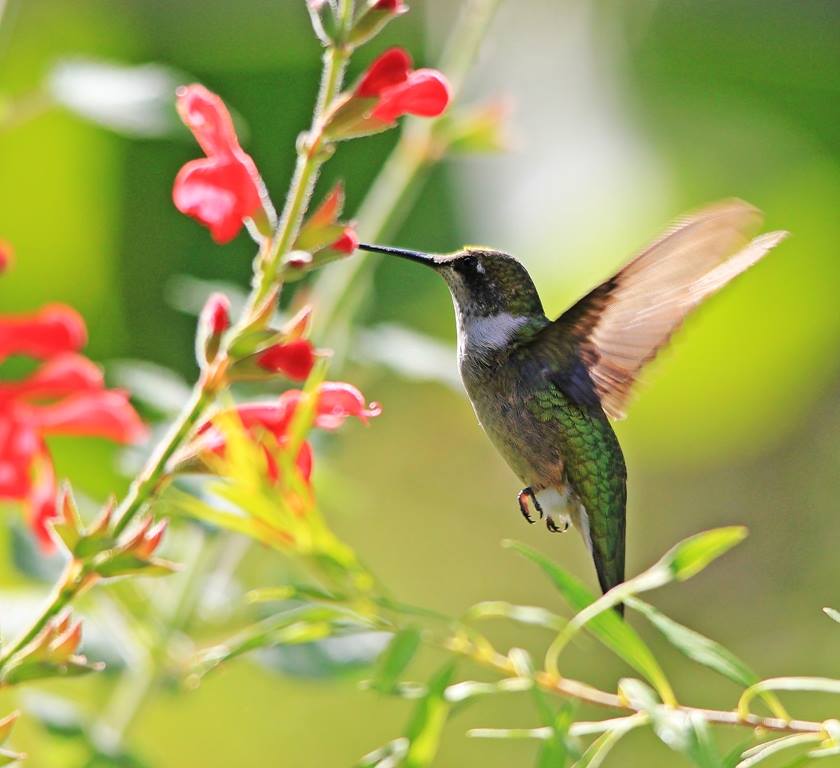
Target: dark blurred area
622, 116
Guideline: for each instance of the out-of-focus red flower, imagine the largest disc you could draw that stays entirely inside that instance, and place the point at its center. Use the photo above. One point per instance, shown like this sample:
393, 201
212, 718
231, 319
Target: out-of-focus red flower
52, 329
7, 254
65, 395
293, 359
399, 90
225, 188
336, 402
348, 242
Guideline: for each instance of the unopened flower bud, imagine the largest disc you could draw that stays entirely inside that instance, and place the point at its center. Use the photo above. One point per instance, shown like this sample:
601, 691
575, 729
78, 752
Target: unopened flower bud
213, 322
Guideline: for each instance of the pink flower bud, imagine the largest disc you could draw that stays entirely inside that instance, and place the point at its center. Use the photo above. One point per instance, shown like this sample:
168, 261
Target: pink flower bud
215, 316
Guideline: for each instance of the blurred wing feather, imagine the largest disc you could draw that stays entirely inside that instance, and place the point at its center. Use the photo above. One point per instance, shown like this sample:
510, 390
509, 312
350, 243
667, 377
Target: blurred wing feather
621, 324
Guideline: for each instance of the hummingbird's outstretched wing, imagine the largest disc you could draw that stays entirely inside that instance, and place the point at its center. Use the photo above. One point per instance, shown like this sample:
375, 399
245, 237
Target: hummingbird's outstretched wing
621, 324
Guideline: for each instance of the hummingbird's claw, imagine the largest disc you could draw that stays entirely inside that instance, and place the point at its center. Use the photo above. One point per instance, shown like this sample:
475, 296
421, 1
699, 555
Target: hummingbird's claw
553, 527
522, 498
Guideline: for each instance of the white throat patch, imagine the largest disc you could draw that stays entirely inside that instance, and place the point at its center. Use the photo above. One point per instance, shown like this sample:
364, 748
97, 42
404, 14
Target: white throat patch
489, 333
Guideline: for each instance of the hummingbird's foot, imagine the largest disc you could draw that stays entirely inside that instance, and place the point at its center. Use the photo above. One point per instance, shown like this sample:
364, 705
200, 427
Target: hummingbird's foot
524, 495
553, 527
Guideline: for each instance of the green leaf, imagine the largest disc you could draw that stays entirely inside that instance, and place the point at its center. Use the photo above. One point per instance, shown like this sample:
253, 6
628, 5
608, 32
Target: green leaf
598, 750
6, 725
427, 723
401, 650
268, 632
387, 756
705, 651
812, 684
681, 562
614, 633
687, 734
832, 614
27, 671
693, 554
766, 750
7, 756
555, 752
523, 614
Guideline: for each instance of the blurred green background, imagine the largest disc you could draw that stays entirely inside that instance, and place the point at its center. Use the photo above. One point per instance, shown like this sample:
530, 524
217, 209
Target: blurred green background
621, 116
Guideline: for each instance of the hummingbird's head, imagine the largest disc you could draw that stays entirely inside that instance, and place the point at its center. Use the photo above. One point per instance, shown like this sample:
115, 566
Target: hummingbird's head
483, 282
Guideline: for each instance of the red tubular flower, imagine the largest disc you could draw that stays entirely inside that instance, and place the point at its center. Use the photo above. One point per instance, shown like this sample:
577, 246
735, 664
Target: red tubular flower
425, 93
389, 69
294, 359
399, 90
104, 413
336, 403
223, 189
52, 329
65, 395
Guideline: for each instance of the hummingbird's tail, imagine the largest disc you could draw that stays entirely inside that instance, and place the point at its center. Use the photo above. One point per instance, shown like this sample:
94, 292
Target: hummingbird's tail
603, 535
608, 554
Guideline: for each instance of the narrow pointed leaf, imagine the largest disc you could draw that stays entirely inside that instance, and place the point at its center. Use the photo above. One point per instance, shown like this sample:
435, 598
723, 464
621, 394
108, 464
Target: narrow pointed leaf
832, 614
614, 633
764, 751
429, 718
598, 750
679, 563
811, 684
401, 650
705, 651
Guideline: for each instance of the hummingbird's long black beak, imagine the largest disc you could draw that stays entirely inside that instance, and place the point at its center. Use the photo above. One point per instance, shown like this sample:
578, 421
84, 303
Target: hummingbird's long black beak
422, 258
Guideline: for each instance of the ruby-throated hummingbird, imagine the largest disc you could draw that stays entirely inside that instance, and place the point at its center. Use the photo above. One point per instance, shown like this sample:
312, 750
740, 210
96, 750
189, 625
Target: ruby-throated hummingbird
543, 390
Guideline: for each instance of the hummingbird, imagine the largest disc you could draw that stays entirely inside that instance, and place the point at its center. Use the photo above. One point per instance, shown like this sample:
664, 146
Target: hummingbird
545, 390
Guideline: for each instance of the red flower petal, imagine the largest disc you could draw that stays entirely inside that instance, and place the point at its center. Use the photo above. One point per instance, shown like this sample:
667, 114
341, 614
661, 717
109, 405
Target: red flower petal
390, 69
215, 316
348, 242
424, 93
206, 115
337, 401
19, 442
294, 359
42, 499
392, 6
52, 329
104, 413
220, 192
223, 189
62, 375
